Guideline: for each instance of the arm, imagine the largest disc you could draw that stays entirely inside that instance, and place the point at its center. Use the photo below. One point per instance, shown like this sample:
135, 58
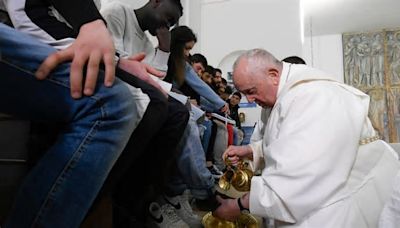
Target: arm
229, 208
314, 131
202, 88
137, 68
256, 140
92, 46
158, 57
116, 26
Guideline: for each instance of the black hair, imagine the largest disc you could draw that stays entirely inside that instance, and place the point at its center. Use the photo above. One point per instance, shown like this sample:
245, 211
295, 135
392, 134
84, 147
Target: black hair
179, 4
237, 93
224, 81
294, 60
176, 63
209, 69
218, 70
198, 58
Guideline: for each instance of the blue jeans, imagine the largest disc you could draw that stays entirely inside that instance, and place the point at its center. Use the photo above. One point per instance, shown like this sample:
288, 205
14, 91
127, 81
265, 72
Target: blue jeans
193, 172
61, 187
205, 141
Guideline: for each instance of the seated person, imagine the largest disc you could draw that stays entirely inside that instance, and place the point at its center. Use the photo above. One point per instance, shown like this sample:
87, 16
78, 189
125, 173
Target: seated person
128, 27
303, 136
154, 123
62, 186
234, 107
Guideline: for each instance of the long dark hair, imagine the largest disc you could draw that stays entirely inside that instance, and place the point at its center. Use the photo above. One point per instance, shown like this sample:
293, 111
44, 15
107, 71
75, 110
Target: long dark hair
176, 62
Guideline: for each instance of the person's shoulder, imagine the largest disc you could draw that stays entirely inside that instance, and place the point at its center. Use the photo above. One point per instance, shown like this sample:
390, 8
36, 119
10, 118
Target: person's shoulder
114, 7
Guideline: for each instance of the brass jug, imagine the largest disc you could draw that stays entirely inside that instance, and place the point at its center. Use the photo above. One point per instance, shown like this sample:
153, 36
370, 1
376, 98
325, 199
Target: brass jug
225, 181
239, 177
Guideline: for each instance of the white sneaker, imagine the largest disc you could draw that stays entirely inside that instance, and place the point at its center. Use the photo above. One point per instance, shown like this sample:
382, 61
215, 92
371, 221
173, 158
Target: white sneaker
184, 210
164, 217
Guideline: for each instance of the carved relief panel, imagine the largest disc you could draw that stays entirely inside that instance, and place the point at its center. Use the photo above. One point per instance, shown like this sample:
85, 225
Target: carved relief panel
372, 64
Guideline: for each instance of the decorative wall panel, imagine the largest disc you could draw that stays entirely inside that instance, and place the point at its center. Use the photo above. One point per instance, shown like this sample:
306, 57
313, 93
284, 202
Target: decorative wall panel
372, 64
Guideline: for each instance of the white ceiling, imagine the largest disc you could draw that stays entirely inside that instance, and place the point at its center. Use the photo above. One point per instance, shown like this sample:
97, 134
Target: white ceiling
324, 17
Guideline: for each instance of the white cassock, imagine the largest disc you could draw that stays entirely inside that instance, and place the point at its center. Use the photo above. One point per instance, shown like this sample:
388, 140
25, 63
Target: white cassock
322, 166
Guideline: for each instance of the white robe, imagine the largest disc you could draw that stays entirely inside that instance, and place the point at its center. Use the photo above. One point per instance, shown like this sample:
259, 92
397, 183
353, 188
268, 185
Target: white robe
314, 172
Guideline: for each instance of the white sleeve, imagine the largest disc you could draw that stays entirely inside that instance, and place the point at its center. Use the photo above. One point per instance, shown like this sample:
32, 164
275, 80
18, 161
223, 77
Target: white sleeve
256, 140
260, 126
258, 156
310, 151
158, 59
116, 26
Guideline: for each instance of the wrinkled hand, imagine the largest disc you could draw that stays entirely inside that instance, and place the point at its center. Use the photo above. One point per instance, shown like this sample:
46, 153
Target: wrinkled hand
134, 66
236, 153
225, 109
228, 210
93, 45
164, 39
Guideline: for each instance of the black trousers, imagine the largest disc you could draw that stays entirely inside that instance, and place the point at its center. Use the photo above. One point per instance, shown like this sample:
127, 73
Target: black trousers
147, 158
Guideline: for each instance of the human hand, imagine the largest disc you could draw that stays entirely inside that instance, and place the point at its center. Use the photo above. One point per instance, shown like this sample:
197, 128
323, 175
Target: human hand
236, 153
93, 45
134, 66
228, 210
225, 109
164, 39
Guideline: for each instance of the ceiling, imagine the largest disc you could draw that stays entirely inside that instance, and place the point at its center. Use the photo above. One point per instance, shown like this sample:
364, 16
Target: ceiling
324, 17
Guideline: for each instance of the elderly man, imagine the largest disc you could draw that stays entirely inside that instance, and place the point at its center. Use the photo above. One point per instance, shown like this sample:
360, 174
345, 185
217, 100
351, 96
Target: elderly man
322, 163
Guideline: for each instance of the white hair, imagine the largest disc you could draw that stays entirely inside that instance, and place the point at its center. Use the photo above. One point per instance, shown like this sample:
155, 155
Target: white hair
258, 59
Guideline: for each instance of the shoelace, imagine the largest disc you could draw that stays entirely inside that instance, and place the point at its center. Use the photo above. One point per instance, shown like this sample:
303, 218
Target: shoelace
169, 212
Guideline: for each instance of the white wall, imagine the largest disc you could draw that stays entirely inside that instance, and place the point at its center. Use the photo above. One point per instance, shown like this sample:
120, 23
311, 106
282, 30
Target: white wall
325, 53
231, 25
228, 26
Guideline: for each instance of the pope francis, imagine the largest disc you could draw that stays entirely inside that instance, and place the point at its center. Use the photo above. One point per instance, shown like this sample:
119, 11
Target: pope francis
321, 162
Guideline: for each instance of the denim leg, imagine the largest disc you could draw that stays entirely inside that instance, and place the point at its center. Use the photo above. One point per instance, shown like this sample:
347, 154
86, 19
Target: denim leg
61, 187
192, 165
207, 134
221, 143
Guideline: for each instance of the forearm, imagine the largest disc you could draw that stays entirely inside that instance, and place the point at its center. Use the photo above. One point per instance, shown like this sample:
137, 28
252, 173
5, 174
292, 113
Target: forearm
245, 199
202, 88
77, 12
159, 60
